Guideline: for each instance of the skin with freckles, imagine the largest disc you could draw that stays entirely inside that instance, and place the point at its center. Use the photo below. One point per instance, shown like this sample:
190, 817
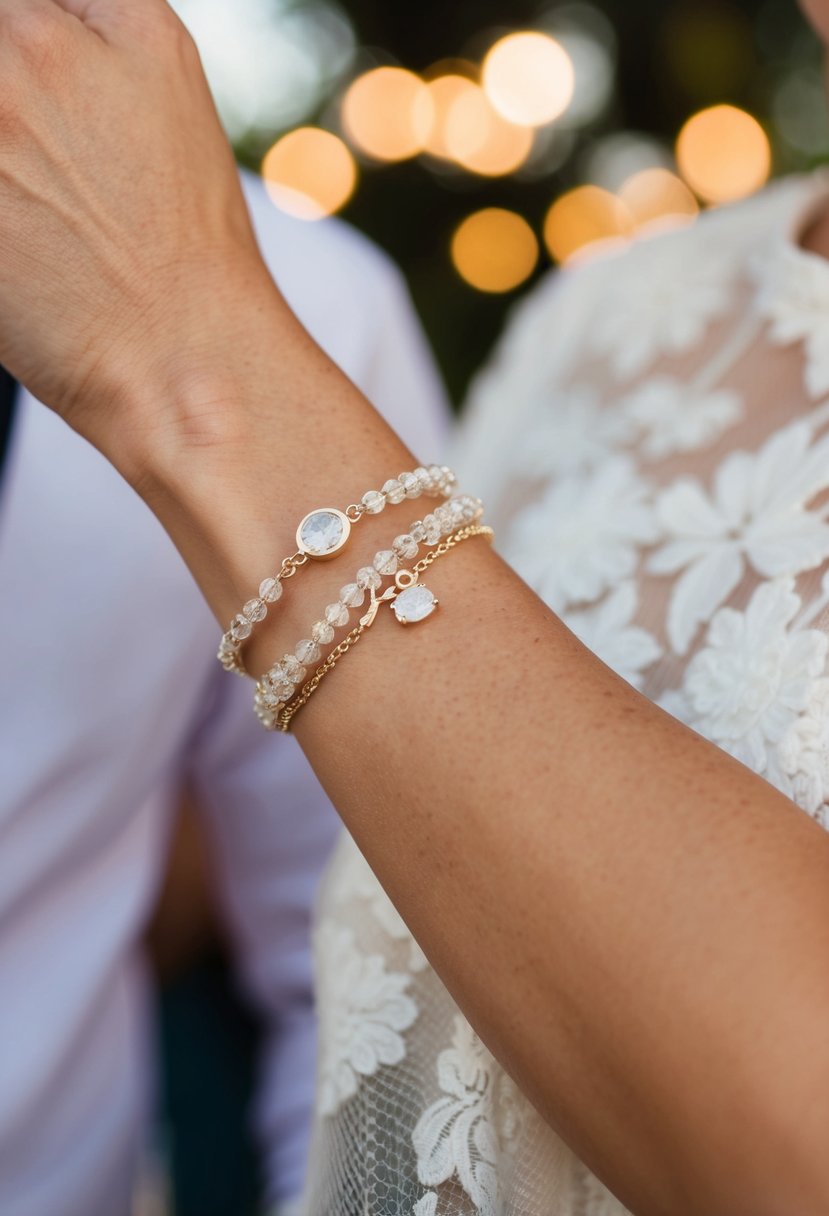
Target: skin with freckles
656, 983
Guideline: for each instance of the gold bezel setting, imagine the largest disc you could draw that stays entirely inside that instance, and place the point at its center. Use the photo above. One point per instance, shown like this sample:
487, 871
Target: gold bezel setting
325, 555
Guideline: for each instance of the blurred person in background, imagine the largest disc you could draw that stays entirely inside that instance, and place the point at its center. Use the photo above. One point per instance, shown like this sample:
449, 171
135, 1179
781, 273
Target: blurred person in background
97, 742
636, 924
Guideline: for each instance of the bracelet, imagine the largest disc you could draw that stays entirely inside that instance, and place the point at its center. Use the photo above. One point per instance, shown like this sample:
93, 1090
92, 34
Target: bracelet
409, 599
281, 681
321, 535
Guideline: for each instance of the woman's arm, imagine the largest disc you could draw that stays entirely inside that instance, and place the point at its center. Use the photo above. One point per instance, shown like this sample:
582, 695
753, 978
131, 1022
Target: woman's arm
636, 925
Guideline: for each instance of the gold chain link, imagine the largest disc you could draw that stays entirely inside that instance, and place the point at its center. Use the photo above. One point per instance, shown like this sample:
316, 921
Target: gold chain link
291, 564
283, 718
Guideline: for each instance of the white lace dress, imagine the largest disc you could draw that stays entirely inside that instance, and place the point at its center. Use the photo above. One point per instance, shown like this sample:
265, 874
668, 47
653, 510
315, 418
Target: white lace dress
652, 443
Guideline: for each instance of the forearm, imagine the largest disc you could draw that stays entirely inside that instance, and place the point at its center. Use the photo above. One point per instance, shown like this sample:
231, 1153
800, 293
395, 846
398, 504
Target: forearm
638, 925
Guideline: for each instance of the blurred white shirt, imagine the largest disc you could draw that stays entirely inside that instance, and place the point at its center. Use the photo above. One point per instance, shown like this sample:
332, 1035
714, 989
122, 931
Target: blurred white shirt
111, 699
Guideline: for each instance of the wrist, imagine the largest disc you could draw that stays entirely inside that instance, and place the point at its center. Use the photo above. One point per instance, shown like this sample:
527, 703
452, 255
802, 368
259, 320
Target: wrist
236, 443
192, 378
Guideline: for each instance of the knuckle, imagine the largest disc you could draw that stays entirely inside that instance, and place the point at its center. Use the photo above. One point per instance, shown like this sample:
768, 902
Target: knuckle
29, 28
160, 27
34, 35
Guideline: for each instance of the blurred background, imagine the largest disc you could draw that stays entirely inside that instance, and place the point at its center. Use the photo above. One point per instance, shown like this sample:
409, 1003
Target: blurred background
479, 142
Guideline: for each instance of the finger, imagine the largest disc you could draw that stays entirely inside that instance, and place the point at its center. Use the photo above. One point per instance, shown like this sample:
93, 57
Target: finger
32, 31
14, 14
122, 20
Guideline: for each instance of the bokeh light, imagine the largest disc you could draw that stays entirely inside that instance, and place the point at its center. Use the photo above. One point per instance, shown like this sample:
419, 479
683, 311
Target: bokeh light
799, 110
584, 217
388, 113
613, 158
723, 153
444, 91
657, 197
528, 77
309, 173
269, 62
494, 250
478, 138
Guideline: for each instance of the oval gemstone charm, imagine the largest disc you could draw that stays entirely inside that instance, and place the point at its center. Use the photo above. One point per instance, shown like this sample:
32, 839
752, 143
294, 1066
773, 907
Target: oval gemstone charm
323, 533
414, 604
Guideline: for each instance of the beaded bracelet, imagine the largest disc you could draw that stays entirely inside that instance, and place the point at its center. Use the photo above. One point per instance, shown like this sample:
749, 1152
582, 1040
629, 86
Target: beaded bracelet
321, 535
280, 683
406, 585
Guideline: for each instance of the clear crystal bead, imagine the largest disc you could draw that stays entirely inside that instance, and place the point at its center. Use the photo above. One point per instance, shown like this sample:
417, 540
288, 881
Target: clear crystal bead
277, 673
456, 508
432, 529
255, 610
270, 590
385, 562
307, 651
322, 632
373, 501
367, 577
444, 517
351, 595
470, 509
393, 491
449, 478
293, 669
437, 477
336, 615
405, 545
418, 532
424, 479
240, 628
268, 696
284, 691
410, 484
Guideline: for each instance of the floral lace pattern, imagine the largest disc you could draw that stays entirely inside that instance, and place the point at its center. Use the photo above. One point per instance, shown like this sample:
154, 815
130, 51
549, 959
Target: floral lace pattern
593, 525
795, 302
746, 689
455, 1136
675, 417
663, 305
664, 486
370, 1009
756, 513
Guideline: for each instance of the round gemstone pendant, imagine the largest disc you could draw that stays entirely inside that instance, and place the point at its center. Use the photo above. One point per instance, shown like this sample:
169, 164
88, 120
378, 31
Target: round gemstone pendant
414, 604
323, 533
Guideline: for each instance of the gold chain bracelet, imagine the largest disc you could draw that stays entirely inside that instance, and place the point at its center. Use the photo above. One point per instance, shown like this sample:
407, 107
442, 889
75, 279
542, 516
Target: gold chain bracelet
404, 580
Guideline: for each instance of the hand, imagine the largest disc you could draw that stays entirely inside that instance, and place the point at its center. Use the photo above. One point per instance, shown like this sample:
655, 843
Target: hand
126, 252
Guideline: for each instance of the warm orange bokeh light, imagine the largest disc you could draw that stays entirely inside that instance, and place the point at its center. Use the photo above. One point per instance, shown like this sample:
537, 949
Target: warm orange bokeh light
309, 173
494, 250
657, 197
723, 154
478, 138
444, 92
581, 217
528, 78
388, 113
